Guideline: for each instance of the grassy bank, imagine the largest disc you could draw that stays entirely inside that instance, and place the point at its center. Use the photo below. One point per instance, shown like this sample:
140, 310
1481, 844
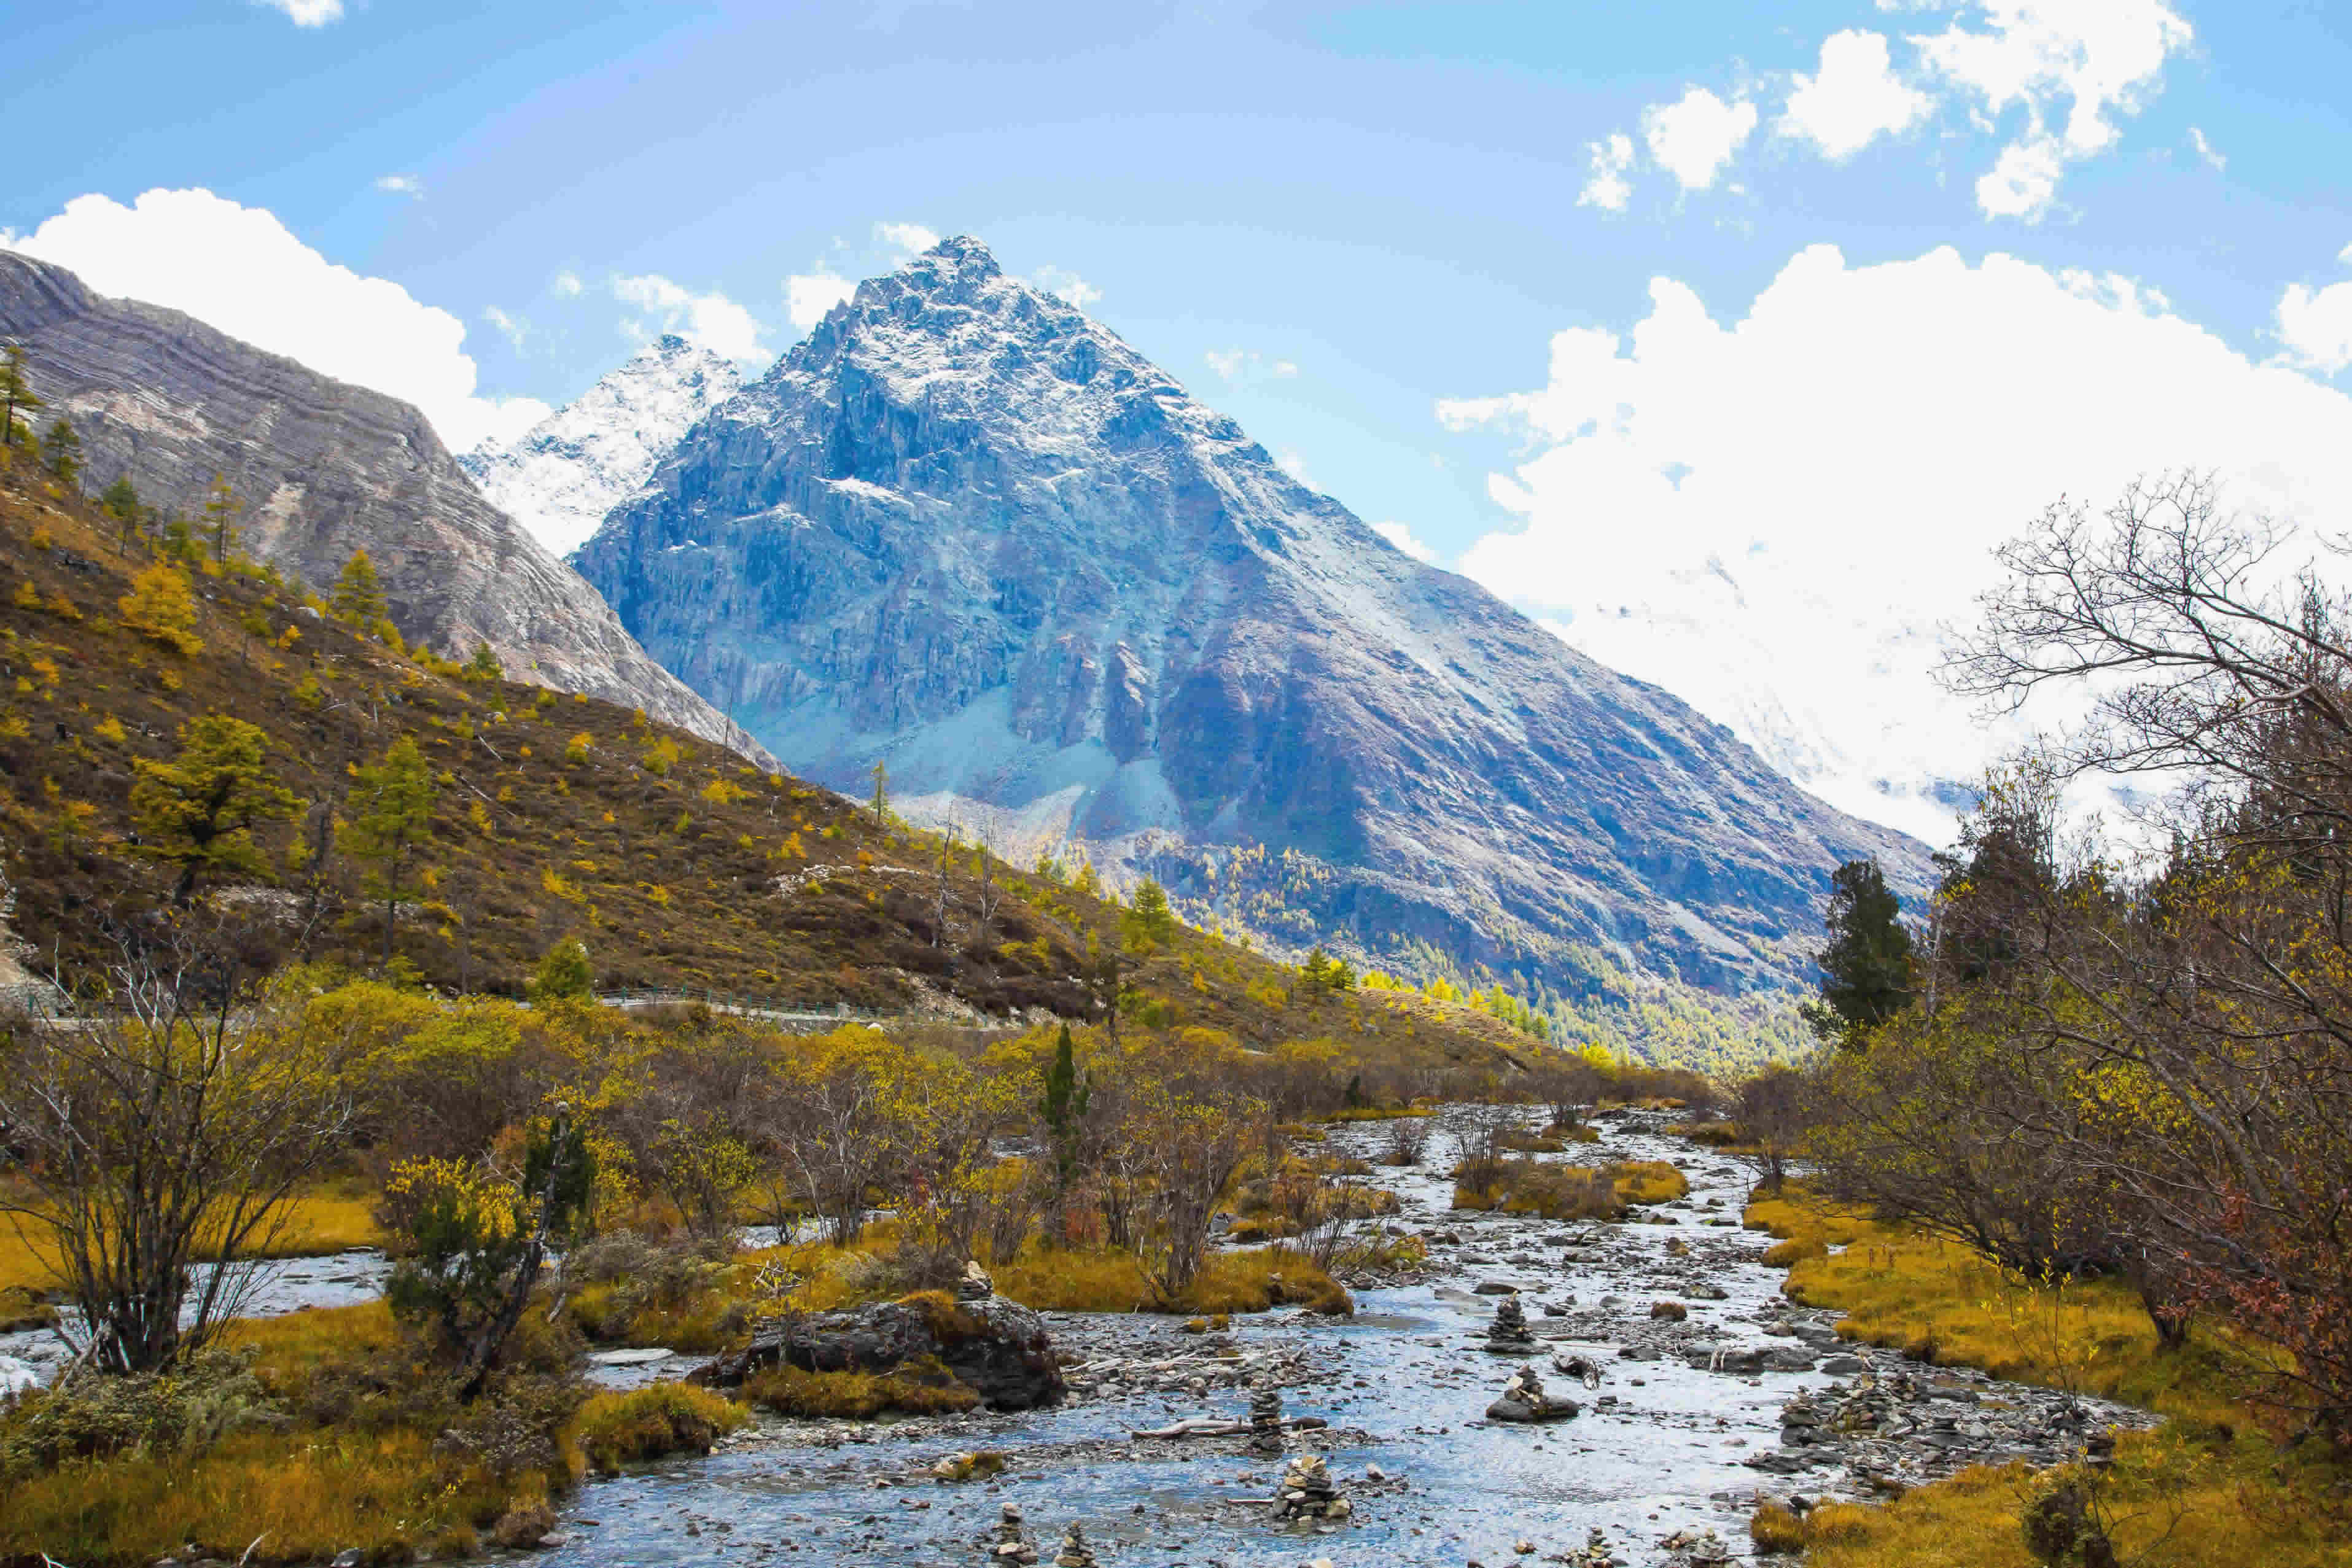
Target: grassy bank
1557, 1191
2213, 1485
315, 1436
334, 1219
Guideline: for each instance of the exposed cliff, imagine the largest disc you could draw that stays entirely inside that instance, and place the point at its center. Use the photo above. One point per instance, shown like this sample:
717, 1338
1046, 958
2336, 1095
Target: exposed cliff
963, 529
324, 468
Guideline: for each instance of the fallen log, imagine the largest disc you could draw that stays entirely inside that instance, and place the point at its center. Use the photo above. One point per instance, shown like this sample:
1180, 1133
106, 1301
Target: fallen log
1206, 1426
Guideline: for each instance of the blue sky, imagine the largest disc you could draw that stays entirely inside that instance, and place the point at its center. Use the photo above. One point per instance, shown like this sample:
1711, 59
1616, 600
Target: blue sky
1360, 211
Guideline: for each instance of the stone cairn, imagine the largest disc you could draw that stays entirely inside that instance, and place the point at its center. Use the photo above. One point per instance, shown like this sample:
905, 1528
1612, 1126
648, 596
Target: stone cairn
1508, 1335
1265, 1420
1594, 1554
1308, 1493
975, 1285
1012, 1543
1523, 1400
1075, 1552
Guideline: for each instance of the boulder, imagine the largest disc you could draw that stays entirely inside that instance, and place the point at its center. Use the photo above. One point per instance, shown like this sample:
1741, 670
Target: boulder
997, 1348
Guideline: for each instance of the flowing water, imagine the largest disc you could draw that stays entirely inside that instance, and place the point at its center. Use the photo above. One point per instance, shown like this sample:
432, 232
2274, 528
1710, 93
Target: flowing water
1656, 1458
1404, 1386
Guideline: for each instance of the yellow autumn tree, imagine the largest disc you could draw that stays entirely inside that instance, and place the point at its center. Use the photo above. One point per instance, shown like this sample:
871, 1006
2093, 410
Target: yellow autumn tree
161, 608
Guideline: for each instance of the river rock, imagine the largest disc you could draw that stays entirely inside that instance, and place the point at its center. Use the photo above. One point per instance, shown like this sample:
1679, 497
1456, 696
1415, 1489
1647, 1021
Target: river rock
975, 1285
998, 1348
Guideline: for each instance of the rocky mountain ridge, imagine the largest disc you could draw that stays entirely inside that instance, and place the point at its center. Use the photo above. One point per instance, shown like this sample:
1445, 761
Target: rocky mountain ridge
322, 468
563, 476
967, 533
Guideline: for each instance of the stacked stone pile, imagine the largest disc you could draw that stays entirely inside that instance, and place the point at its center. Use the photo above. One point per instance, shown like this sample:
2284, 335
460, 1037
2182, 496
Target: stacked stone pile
1012, 1543
1265, 1420
1524, 1401
1308, 1493
1508, 1335
1075, 1552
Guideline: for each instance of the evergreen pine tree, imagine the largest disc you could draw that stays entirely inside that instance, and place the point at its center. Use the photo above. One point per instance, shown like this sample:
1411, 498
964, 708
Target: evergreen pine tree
1866, 967
15, 392
221, 507
392, 819
198, 810
62, 450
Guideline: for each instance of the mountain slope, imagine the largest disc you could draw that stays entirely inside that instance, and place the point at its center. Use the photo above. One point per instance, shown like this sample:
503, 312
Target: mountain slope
561, 477
965, 531
677, 864
324, 468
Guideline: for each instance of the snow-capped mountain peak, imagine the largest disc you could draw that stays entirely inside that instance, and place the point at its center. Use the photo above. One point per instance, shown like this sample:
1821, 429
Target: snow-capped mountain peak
570, 469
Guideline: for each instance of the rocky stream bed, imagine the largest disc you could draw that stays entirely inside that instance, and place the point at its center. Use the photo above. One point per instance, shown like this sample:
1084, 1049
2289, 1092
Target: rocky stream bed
1443, 1436
1685, 1419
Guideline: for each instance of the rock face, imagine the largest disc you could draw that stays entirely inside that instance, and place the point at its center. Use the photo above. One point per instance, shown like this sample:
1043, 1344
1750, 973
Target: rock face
561, 477
997, 1348
324, 468
966, 531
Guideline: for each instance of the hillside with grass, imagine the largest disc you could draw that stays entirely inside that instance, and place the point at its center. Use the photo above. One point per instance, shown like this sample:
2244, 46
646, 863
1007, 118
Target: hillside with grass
540, 817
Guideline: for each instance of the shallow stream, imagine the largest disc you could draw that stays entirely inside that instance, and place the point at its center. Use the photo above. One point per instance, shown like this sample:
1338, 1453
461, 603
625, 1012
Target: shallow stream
1404, 1386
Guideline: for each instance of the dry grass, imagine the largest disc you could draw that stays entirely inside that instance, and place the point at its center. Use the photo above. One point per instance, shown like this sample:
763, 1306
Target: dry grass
615, 1429
2209, 1487
1568, 1192
334, 1219
921, 1387
1106, 1282
2172, 1506
305, 1497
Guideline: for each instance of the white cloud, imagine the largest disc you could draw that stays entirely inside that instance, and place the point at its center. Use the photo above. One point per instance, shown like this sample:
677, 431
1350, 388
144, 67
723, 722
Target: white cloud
1771, 519
568, 284
2315, 325
711, 319
912, 238
237, 268
1693, 137
2023, 182
1607, 189
809, 295
513, 328
307, 12
1067, 286
1853, 99
1294, 463
2205, 153
2101, 57
1238, 365
401, 184
1398, 535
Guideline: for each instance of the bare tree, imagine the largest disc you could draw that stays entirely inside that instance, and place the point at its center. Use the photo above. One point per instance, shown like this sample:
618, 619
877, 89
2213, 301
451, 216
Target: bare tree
156, 1144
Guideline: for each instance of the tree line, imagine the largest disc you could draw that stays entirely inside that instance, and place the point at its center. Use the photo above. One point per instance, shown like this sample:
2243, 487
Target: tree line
2129, 1052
